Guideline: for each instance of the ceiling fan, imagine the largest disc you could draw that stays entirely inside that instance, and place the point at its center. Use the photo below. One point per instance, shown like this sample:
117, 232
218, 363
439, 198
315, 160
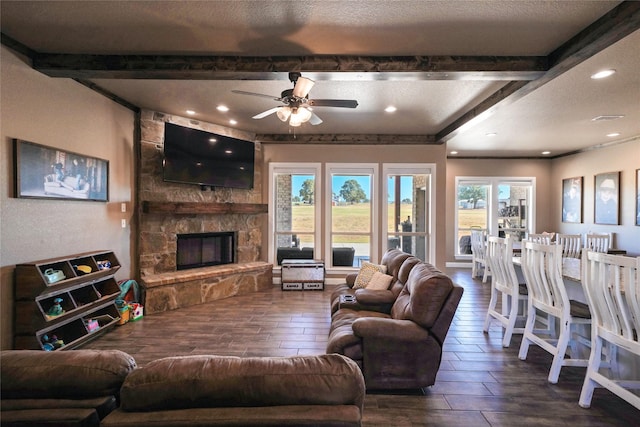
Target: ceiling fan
296, 108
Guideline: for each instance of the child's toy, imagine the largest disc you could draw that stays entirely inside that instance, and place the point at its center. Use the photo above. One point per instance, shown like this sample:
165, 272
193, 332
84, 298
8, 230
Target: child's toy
92, 325
56, 309
136, 311
51, 343
129, 291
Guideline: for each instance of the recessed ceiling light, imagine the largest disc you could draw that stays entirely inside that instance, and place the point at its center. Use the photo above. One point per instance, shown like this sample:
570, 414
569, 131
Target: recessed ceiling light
607, 117
602, 74
213, 140
390, 109
190, 112
222, 108
546, 153
233, 122
491, 134
228, 151
613, 134
454, 152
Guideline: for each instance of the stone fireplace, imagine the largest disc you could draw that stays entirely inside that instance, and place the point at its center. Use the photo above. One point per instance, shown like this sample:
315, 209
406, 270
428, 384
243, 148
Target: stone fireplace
196, 250
170, 210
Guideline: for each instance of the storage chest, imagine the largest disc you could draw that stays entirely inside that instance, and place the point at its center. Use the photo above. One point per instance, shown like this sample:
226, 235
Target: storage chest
302, 274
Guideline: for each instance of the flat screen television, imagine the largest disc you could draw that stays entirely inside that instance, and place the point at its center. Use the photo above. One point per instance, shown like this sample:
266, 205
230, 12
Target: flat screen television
193, 156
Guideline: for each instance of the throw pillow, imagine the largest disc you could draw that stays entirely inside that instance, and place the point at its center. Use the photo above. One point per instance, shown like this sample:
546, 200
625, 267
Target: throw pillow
379, 281
366, 273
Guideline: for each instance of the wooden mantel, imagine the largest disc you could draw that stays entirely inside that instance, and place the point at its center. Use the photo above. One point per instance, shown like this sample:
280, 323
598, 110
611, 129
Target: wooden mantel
203, 208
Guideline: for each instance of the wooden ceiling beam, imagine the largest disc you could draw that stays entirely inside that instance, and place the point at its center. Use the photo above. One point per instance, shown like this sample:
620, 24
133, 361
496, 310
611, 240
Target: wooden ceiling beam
618, 23
525, 74
346, 139
189, 67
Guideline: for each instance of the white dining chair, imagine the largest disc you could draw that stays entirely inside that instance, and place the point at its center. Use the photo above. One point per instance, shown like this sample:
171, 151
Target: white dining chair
598, 242
478, 251
504, 283
542, 269
571, 245
612, 287
544, 238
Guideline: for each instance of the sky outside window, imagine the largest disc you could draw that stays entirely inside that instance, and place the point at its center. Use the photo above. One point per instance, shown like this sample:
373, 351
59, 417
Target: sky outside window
339, 180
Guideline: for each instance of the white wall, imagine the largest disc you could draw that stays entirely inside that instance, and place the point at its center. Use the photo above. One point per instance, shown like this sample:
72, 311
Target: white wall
622, 157
64, 114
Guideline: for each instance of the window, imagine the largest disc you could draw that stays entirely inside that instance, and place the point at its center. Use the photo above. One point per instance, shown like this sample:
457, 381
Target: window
295, 219
502, 206
351, 212
513, 199
407, 217
343, 221
472, 211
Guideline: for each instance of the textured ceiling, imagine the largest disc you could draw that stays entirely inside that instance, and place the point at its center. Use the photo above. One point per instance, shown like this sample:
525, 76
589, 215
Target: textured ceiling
556, 116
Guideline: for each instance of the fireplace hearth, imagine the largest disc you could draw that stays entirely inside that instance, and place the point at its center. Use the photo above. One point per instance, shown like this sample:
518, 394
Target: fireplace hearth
195, 250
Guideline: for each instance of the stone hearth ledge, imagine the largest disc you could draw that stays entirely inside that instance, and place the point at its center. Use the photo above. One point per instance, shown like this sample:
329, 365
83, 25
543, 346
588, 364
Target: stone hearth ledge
173, 290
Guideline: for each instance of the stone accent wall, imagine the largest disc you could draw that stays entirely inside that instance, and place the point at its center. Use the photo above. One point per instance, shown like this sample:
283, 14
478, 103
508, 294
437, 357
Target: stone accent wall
283, 208
157, 245
157, 238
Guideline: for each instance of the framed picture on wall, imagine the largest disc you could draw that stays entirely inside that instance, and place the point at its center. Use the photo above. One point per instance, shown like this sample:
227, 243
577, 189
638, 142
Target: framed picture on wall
637, 196
607, 198
49, 173
572, 200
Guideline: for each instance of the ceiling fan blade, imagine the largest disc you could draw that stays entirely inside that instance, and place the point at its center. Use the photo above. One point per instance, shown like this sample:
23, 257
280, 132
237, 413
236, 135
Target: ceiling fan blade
343, 103
302, 87
242, 92
266, 113
315, 120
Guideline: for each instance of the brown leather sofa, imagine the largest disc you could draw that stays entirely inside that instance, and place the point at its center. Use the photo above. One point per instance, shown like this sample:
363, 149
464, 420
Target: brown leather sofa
399, 348
90, 388
61, 388
326, 390
365, 299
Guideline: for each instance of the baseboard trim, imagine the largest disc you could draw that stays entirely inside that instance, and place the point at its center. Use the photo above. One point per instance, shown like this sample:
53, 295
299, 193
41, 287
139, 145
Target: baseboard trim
459, 265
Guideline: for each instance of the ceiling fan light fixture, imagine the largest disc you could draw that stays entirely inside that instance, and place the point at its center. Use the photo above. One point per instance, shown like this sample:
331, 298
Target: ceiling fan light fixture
283, 113
297, 105
302, 114
302, 87
298, 116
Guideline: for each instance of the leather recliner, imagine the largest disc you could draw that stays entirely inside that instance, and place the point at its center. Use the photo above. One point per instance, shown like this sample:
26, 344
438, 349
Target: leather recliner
401, 349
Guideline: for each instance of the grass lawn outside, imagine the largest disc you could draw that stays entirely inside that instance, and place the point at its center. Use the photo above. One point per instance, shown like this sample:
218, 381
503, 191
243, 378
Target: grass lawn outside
355, 218
346, 219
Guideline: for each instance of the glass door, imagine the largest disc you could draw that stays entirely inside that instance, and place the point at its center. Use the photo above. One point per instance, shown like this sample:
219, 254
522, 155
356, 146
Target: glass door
407, 214
513, 204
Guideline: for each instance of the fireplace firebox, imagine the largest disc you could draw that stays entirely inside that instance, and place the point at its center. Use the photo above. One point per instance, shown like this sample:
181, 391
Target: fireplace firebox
205, 249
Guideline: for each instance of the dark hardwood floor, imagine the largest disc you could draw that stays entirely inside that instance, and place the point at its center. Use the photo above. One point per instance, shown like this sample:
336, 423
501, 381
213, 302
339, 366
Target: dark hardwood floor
479, 383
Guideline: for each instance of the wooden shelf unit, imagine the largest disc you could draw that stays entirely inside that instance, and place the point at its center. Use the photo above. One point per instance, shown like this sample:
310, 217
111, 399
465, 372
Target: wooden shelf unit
85, 297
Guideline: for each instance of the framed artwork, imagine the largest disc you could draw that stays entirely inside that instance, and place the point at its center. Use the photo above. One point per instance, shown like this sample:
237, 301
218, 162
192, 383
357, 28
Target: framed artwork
572, 200
637, 196
607, 198
49, 173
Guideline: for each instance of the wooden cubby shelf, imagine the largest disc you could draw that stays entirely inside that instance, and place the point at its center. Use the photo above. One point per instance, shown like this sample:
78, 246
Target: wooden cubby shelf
87, 300
203, 208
